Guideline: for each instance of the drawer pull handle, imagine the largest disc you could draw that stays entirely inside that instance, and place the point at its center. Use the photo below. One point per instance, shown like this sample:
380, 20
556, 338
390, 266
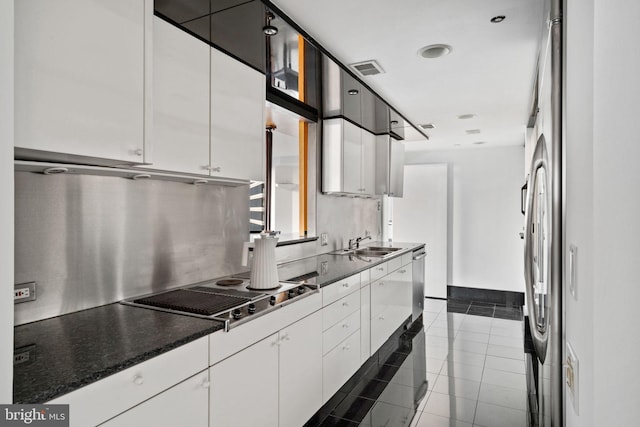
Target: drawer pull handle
286, 337
138, 380
380, 269
345, 304
346, 347
345, 325
381, 318
402, 271
138, 152
345, 285
205, 383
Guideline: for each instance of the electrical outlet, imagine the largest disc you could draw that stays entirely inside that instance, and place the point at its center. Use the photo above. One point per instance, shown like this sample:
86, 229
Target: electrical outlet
572, 377
24, 292
24, 355
324, 239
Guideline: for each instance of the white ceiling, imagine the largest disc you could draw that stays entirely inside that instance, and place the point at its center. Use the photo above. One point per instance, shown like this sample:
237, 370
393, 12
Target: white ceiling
490, 71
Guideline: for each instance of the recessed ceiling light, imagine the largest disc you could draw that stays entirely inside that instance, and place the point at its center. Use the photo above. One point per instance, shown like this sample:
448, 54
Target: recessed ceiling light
472, 131
434, 51
427, 126
498, 19
466, 116
480, 142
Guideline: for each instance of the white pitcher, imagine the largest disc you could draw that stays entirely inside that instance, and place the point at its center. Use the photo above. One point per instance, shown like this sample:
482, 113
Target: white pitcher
264, 270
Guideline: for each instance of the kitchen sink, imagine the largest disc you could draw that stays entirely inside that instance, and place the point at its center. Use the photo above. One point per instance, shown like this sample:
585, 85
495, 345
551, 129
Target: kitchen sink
369, 251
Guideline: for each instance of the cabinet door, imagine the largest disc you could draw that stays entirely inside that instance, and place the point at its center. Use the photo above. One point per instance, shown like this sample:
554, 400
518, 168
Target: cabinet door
368, 162
244, 387
365, 323
186, 404
352, 157
81, 67
181, 100
237, 119
300, 373
396, 168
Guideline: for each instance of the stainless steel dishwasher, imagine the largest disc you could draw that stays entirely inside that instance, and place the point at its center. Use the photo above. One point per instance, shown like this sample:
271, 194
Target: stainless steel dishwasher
419, 255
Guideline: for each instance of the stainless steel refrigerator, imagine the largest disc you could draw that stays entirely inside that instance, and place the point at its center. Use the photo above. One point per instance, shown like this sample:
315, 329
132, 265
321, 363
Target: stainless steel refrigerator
544, 248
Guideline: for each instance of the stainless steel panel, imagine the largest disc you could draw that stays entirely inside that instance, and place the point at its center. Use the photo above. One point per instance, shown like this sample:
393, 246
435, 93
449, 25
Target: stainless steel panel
396, 169
331, 88
332, 133
92, 240
418, 283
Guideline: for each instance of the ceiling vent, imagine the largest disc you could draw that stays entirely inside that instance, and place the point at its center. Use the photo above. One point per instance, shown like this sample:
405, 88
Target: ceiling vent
426, 126
367, 68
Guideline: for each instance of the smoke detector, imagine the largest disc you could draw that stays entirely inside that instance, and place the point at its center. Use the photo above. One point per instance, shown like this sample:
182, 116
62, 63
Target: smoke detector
367, 68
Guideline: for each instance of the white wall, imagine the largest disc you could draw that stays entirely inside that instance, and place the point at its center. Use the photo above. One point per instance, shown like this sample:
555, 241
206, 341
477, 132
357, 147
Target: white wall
602, 207
485, 249
578, 136
616, 243
6, 195
421, 216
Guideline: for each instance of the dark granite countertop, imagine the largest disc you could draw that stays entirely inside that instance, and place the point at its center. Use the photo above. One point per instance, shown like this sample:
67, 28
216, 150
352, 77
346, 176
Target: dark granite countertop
325, 269
74, 350
67, 352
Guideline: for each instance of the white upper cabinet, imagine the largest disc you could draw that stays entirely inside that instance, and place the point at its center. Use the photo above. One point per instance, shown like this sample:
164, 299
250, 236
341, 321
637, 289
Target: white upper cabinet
237, 119
180, 100
82, 78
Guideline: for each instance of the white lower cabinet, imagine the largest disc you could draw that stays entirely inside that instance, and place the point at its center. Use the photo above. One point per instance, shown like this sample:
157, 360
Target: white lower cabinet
391, 299
275, 382
244, 387
104, 399
339, 364
185, 404
365, 323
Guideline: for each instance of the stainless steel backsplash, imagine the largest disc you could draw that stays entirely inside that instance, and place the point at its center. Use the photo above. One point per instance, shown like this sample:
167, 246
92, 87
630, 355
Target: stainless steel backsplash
91, 240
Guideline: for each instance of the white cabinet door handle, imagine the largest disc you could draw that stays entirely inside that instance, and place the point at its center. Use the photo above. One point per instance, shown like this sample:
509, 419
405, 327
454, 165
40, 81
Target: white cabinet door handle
402, 271
345, 304
286, 337
380, 269
346, 347
138, 152
138, 380
205, 383
345, 325
345, 285
216, 169
381, 318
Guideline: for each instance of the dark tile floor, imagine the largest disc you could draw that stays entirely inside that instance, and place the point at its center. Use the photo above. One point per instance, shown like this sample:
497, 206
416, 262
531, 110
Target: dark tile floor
464, 368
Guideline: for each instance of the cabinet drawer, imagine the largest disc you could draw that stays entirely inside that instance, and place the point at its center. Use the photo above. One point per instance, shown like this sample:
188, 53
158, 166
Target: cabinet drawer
340, 309
382, 295
224, 344
378, 271
394, 264
97, 402
341, 330
407, 258
337, 290
185, 404
339, 364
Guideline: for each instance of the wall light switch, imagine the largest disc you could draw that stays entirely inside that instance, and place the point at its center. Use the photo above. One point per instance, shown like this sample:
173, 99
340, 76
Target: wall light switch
572, 376
572, 271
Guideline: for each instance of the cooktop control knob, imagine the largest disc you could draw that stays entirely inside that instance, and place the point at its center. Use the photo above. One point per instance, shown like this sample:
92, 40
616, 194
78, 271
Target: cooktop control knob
272, 300
301, 289
291, 293
236, 313
252, 308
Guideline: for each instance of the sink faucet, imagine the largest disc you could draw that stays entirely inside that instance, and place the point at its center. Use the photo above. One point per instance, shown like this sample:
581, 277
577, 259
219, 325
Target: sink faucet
355, 243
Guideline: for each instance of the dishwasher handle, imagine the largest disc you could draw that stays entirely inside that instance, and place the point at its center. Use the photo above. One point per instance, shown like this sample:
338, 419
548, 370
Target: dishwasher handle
419, 255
